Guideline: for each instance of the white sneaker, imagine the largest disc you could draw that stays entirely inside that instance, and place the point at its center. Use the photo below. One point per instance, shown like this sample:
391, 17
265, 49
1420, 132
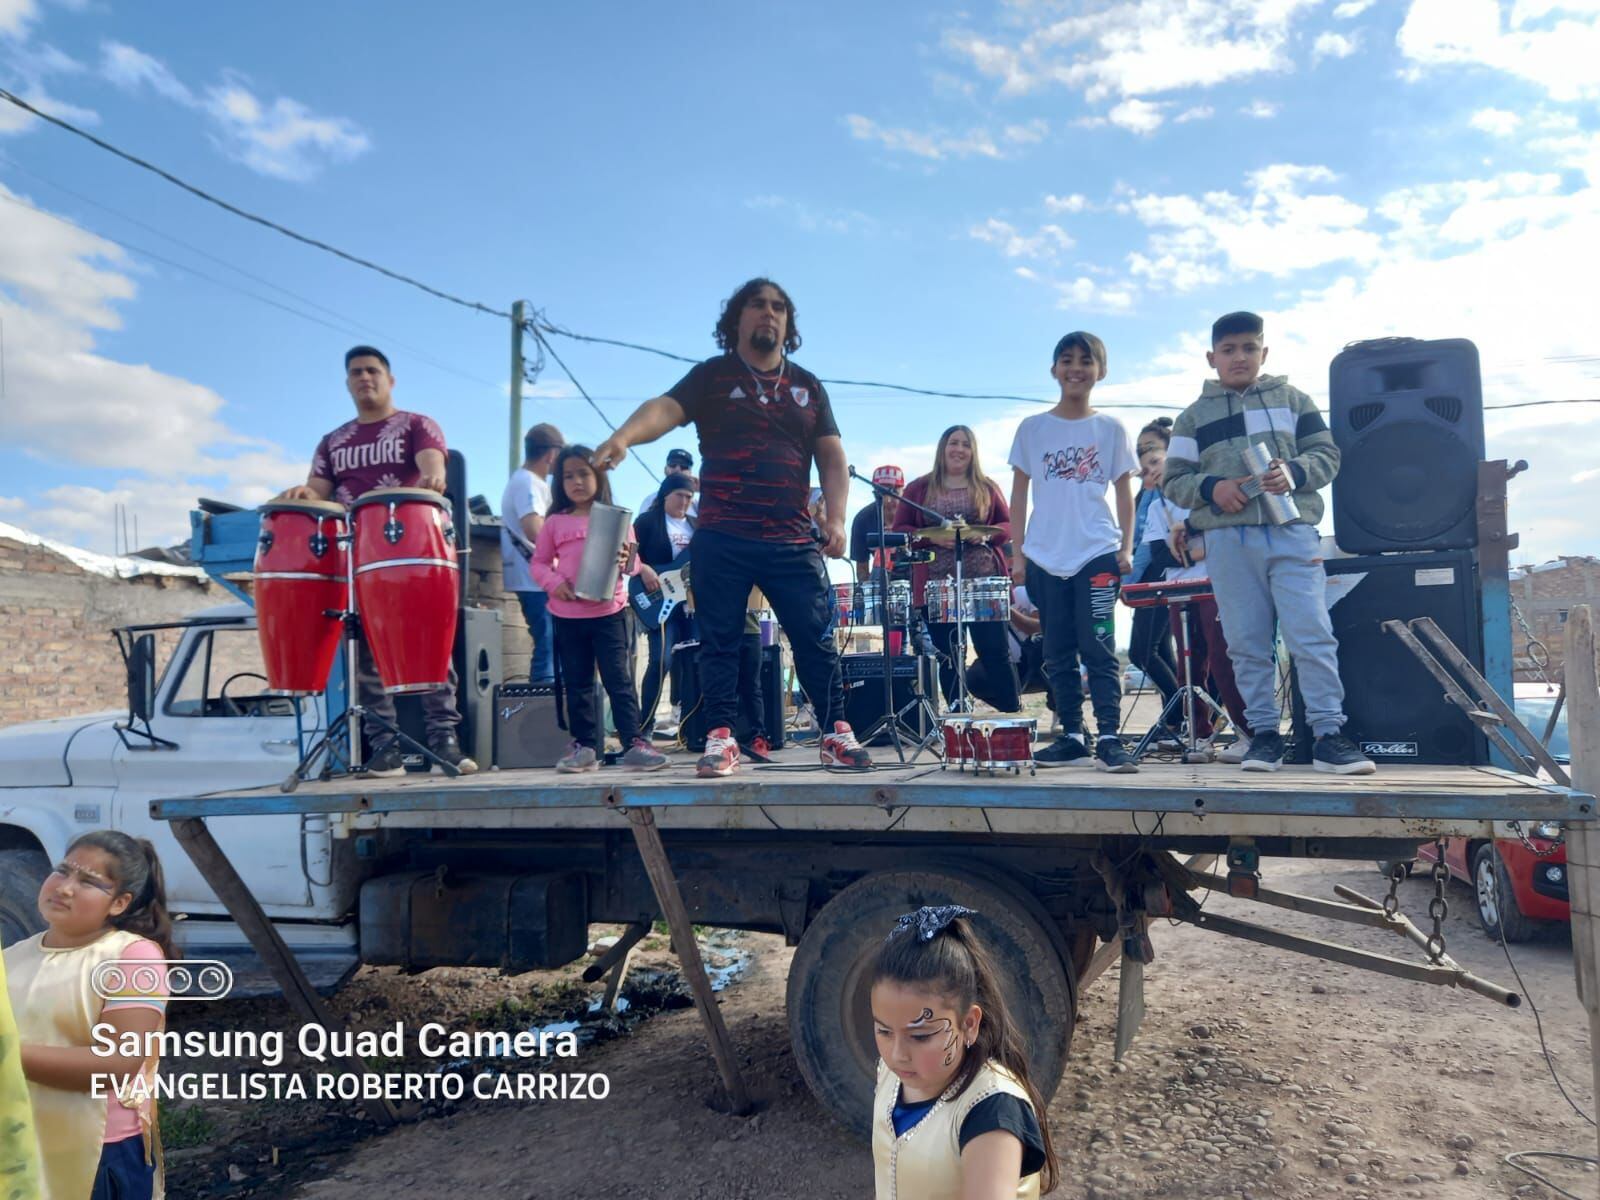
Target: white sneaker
1236, 752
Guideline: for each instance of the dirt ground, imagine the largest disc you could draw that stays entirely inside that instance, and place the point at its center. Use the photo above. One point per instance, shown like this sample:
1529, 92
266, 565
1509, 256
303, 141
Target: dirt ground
1257, 1074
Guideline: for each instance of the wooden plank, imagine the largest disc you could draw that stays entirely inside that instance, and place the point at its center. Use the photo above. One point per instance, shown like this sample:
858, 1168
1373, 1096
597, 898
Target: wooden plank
665, 884
1583, 837
269, 946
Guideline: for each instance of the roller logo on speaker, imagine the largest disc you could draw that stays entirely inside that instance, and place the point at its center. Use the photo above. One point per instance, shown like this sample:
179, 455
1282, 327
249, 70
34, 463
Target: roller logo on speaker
162, 979
1390, 749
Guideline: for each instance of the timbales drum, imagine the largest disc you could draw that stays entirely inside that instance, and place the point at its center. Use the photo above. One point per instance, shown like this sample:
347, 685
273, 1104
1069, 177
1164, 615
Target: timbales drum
299, 581
871, 603
940, 596
989, 743
987, 599
844, 605
406, 585
899, 602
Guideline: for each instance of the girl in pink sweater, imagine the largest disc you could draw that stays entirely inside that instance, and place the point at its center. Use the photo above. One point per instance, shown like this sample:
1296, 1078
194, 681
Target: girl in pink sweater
589, 634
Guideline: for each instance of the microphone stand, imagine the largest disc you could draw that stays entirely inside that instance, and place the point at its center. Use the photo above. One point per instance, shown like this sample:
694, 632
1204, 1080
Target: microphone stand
892, 719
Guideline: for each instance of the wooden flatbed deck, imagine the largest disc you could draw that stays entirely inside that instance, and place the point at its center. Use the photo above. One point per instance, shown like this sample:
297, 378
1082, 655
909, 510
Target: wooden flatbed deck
794, 793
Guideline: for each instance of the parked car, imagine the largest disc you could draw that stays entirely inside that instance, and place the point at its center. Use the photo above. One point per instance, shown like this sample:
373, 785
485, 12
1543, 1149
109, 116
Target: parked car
1520, 882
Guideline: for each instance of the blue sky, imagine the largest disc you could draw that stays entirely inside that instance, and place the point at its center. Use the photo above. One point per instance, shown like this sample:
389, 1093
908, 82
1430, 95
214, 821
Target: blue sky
944, 189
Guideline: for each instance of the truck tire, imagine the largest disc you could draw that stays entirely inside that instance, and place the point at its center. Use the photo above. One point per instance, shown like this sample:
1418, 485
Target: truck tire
830, 1014
22, 874
1497, 903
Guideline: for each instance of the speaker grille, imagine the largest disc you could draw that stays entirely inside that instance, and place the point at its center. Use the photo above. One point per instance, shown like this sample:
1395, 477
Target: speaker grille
1418, 483
1446, 408
1363, 415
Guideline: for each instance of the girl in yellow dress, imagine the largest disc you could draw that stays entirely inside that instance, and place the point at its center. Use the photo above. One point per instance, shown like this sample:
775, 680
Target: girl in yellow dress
99, 962
954, 1116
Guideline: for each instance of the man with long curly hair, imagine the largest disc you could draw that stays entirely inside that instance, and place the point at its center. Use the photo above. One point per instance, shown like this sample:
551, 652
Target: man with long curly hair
762, 421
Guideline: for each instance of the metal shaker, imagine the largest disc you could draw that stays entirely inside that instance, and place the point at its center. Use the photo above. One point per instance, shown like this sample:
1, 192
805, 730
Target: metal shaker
1280, 510
609, 529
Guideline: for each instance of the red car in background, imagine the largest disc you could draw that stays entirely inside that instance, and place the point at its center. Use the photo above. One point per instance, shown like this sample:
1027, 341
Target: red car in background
1520, 882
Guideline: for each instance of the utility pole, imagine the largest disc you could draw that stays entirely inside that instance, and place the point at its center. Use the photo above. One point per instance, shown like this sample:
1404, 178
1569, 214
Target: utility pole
519, 314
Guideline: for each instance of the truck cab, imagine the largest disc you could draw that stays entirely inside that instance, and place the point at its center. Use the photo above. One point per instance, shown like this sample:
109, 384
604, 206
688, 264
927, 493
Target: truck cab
204, 723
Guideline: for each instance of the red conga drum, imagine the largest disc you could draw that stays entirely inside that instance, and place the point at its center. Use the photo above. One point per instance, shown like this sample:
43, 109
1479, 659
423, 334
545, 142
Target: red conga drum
406, 585
300, 578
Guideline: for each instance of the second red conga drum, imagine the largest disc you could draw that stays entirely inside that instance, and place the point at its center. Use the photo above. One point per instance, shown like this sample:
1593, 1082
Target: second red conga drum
299, 580
406, 585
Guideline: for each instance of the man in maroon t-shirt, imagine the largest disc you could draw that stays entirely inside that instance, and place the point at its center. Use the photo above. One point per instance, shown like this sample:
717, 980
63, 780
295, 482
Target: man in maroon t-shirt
385, 447
762, 421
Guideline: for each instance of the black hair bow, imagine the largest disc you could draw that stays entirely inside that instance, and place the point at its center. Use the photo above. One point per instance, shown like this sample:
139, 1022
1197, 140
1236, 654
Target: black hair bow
930, 919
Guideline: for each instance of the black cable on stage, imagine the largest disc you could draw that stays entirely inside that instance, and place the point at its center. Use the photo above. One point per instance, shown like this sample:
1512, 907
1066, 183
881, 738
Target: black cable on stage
202, 194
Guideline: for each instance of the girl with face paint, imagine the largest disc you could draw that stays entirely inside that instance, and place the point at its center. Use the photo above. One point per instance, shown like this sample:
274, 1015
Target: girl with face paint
954, 1115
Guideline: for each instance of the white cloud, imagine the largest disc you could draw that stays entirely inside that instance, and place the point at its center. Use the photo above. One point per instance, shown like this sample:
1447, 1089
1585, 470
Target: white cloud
1558, 55
934, 146
1074, 203
813, 220
15, 120
1026, 135
1044, 244
1088, 295
1138, 116
1139, 48
1352, 8
281, 137
1498, 122
1200, 112
1279, 228
1433, 217
1262, 110
1333, 45
66, 403
16, 16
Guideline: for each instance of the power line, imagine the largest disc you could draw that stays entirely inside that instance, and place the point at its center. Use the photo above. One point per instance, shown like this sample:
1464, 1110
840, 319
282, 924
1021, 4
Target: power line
264, 222
388, 338
533, 328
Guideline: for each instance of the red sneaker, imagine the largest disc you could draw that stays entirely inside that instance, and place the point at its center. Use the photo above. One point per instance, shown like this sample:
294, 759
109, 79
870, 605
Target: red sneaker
721, 756
758, 748
840, 749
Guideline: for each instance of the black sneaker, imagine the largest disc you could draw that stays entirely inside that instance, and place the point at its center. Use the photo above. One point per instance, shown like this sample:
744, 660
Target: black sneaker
1265, 753
1338, 755
388, 762
449, 749
1062, 752
1111, 755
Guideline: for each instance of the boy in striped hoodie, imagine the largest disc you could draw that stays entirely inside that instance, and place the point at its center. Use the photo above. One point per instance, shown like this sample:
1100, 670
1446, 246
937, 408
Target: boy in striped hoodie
1267, 578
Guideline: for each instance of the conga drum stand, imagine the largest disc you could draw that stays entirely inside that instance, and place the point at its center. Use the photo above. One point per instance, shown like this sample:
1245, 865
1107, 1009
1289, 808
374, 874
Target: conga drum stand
346, 728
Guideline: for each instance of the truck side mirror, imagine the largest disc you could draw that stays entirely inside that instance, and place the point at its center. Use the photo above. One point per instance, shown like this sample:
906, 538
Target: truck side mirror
142, 677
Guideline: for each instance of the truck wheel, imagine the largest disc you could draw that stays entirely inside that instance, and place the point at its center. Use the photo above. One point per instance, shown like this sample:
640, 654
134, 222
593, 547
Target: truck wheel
22, 874
830, 1012
1497, 903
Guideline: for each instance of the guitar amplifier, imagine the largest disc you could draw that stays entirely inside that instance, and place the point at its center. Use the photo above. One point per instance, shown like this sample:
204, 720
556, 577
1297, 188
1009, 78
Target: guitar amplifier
526, 733
863, 688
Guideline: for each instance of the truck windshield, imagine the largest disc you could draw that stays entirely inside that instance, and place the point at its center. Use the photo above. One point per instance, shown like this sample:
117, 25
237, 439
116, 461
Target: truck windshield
222, 675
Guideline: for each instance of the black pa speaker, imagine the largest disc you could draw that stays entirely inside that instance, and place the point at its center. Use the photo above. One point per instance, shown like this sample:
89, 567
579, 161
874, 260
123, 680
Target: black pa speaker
1396, 710
1407, 416
863, 688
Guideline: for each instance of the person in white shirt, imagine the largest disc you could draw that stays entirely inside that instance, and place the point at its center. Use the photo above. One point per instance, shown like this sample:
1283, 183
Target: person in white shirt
1074, 554
522, 510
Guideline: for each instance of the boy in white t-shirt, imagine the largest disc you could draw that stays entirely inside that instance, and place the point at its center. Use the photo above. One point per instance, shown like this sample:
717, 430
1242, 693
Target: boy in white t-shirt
1073, 554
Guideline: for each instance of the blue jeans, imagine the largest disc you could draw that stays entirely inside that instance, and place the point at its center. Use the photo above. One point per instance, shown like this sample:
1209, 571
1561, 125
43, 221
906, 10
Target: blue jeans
123, 1174
536, 611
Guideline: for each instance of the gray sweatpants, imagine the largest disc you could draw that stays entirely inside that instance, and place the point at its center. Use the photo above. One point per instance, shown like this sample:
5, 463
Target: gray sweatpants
1269, 579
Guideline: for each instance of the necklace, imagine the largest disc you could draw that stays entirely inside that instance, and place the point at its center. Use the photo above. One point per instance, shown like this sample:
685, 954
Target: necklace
755, 380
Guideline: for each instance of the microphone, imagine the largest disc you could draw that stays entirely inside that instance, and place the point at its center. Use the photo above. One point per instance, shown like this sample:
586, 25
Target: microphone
915, 556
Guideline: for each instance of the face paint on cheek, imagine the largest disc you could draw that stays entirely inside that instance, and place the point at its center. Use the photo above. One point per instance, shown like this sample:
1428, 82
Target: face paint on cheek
942, 1025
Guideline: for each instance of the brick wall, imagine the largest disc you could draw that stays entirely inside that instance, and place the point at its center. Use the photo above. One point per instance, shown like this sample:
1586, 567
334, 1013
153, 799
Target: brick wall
57, 655
1544, 595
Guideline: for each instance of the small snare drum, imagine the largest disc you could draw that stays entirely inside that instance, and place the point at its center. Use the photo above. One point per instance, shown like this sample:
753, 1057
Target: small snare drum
844, 605
988, 599
871, 602
940, 597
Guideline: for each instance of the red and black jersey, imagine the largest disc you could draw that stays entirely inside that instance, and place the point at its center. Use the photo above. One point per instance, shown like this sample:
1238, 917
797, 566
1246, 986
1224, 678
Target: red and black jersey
758, 436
